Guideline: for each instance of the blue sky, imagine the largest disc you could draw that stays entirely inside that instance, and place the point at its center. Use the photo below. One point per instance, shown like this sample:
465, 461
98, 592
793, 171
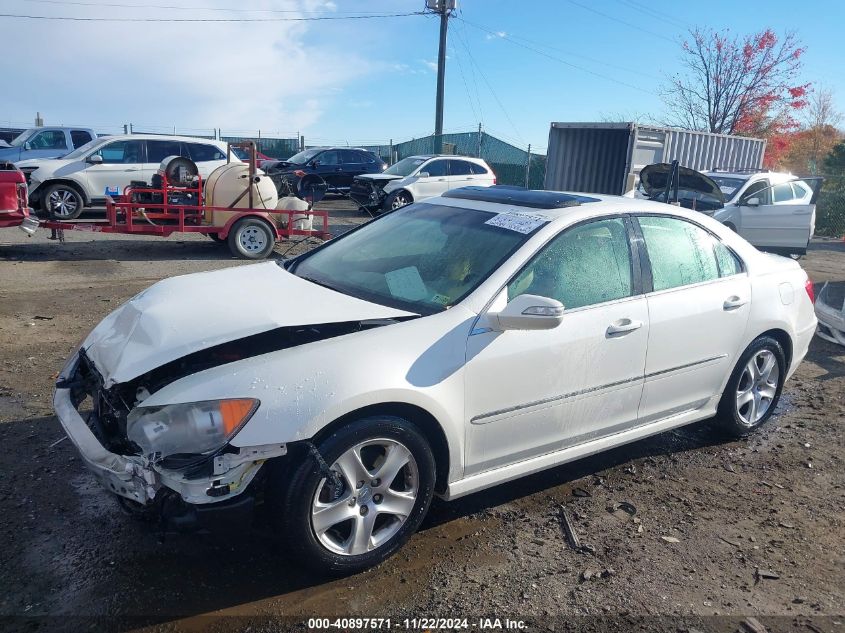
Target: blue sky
367, 81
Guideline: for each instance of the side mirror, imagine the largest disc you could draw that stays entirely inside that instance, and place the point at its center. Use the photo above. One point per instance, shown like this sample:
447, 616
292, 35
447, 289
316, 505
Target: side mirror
94, 159
752, 202
423, 174
27, 146
530, 312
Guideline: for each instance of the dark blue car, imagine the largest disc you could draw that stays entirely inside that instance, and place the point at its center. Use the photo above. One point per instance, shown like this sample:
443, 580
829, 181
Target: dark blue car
338, 166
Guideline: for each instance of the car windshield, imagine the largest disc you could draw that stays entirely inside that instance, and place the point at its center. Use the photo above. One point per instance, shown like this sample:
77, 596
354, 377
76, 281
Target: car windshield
405, 166
80, 151
303, 157
729, 186
21, 138
423, 258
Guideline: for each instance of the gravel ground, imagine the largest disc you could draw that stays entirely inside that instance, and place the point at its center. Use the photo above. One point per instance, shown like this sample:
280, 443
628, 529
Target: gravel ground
735, 529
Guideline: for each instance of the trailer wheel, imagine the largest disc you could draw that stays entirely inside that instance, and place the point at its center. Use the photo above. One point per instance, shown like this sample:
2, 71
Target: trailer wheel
62, 202
251, 238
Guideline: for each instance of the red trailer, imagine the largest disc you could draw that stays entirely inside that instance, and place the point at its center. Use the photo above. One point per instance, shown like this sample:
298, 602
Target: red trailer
168, 207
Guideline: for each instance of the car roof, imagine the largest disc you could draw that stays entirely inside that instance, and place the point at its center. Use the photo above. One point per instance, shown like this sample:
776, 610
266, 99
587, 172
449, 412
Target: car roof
773, 176
554, 206
164, 137
430, 156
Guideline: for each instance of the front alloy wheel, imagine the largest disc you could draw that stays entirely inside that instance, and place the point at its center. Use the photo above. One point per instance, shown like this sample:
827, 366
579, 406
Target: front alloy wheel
354, 497
372, 497
63, 202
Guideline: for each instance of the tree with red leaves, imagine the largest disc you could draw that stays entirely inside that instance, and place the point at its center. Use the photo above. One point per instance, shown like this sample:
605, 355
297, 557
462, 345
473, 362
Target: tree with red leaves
734, 85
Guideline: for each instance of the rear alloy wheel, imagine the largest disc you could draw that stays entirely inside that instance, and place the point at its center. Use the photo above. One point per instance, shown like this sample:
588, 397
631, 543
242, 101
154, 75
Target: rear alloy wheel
398, 200
754, 388
62, 202
364, 503
251, 238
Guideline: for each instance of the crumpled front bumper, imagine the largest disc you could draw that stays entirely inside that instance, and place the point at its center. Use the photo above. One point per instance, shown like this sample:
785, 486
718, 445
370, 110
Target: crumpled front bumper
130, 476
831, 316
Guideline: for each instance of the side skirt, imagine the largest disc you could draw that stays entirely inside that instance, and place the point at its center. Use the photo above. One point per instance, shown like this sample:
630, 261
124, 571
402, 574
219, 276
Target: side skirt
490, 478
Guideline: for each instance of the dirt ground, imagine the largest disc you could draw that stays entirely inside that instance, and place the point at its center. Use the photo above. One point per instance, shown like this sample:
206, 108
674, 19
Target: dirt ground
734, 529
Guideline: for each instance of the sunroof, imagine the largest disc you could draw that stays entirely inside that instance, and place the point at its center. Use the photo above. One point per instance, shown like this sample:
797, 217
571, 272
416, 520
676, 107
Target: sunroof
520, 196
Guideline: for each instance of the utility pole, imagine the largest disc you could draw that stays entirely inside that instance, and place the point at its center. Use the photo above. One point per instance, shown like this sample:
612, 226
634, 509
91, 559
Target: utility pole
444, 8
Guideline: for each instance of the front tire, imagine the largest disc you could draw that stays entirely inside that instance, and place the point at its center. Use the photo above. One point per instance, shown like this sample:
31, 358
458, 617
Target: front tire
382, 484
397, 200
754, 388
251, 238
62, 202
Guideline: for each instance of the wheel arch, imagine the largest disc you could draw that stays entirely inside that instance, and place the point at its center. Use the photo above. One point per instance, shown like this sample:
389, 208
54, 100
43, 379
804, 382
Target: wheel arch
424, 420
65, 181
242, 216
782, 337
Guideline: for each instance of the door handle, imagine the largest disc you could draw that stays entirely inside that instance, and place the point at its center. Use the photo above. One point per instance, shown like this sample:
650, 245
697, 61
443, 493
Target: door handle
801, 212
441, 180
131, 170
732, 303
470, 178
623, 326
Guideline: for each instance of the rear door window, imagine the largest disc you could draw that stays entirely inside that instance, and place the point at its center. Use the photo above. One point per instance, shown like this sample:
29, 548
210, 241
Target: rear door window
201, 152
459, 168
79, 137
782, 193
350, 157
157, 151
680, 252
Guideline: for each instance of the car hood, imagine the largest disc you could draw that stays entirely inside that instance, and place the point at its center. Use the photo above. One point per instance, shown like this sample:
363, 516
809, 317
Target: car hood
189, 313
49, 163
379, 177
8, 152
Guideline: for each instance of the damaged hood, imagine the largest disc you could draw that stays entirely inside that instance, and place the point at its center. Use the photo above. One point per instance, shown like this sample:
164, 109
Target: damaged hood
189, 313
380, 178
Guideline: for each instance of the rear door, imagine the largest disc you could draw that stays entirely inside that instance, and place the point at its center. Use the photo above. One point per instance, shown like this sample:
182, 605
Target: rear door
123, 162
79, 137
157, 151
207, 157
698, 309
460, 173
353, 165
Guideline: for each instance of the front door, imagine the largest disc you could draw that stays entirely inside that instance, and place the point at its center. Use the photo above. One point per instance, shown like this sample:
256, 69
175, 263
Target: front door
698, 311
535, 392
330, 168
435, 180
123, 162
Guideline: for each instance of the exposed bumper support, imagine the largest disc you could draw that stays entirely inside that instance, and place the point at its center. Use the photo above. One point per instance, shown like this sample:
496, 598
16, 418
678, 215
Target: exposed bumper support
133, 478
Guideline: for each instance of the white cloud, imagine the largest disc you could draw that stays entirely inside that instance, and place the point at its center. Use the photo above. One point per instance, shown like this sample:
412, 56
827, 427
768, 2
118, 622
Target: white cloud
496, 35
191, 75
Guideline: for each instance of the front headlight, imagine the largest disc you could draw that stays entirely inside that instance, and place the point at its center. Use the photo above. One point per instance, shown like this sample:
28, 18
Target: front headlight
192, 427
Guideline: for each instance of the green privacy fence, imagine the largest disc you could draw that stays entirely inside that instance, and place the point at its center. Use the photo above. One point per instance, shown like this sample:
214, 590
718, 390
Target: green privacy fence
512, 165
273, 147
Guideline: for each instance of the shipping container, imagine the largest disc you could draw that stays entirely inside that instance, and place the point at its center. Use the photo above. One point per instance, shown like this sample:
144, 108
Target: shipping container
607, 157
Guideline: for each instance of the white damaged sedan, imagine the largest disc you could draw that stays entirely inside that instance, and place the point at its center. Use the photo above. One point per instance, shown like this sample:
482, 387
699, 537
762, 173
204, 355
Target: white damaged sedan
442, 348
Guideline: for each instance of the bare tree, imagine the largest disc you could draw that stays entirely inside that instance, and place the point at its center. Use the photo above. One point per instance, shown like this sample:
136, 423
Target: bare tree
735, 85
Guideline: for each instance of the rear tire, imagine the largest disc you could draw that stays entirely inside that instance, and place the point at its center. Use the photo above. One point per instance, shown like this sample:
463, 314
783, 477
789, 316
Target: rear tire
62, 202
251, 238
754, 388
368, 520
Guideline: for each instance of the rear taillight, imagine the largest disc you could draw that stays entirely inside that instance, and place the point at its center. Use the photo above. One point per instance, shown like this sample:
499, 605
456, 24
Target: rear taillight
808, 286
494, 180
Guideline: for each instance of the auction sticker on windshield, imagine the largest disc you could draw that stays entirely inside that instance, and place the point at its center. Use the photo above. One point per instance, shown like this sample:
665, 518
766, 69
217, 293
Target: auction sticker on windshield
523, 223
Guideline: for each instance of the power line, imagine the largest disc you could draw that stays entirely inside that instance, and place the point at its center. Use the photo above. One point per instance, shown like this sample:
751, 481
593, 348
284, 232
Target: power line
489, 86
301, 19
615, 19
557, 59
192, 8
659, 15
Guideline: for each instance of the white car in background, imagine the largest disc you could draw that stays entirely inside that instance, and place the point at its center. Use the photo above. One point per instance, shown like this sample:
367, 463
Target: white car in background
419, 177
443, 348
63, 187
774, 211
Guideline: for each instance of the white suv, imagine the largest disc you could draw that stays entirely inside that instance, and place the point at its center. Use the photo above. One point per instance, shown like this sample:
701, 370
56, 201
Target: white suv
418, 177
105, 166
774, 211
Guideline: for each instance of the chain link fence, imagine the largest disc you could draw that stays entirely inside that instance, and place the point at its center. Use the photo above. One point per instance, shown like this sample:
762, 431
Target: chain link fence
830, 208
512, 165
